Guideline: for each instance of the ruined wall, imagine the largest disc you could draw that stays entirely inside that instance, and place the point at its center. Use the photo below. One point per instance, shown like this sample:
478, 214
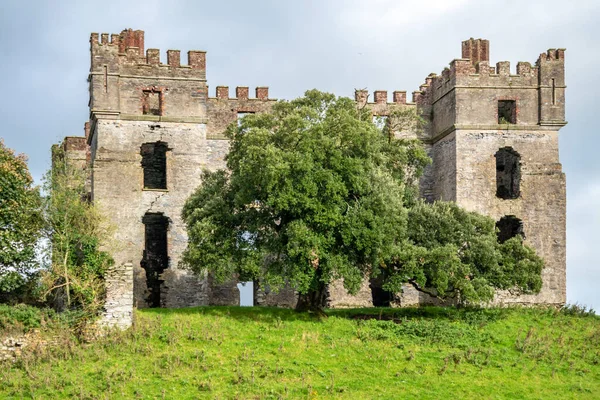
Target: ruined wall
223, 110
125, 201
541, 204
135, 100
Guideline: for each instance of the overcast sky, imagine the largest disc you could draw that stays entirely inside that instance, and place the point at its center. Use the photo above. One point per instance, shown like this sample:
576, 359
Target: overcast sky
292, 46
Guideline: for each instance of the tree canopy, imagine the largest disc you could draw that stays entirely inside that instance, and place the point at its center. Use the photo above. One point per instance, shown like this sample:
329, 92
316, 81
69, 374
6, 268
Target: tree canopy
20, 220
314, 192
453, 254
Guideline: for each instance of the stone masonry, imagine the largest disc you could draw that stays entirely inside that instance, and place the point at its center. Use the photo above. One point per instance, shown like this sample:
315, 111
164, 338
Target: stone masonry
153, 128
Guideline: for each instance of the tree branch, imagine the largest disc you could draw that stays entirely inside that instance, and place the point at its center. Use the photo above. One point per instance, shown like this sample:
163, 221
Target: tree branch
414, 284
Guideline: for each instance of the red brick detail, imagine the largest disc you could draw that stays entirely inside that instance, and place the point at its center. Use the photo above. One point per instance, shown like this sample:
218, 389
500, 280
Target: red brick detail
461, 67
197, 59
144, 97
241, 92
416, 97
262, 93
74, 143
476, 50
130, 38
400, 97
222, 92
380, 96
361, 95
174, 58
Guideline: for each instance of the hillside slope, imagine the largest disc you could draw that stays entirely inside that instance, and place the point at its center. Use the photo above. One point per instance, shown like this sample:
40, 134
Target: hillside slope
247, 353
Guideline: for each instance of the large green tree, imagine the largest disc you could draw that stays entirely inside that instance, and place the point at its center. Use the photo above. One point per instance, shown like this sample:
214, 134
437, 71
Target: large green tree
20, 220
314, 191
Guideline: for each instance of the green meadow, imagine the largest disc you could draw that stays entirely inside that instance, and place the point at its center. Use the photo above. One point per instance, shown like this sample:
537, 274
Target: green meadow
269, 353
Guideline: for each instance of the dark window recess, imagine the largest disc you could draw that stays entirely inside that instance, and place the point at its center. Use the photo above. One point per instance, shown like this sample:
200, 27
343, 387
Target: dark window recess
155, 259
381, 297
154, 163
507, 112
508, 227
508, 173
151, 102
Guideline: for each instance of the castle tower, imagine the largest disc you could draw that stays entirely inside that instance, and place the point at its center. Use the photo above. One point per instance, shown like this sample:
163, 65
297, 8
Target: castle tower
494, 143
148, 145
152, 131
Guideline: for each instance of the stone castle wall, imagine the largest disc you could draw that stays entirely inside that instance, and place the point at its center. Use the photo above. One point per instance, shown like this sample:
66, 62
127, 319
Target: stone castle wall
135, 100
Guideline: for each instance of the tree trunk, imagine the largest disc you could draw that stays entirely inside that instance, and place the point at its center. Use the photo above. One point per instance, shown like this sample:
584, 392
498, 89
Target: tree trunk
315, 300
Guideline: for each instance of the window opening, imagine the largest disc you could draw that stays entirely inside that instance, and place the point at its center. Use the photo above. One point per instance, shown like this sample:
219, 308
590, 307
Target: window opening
508, 227
246, 293
155, 258
508, 173
381, 297
154, 163
380, 121
507, 112
152, 102
240, 115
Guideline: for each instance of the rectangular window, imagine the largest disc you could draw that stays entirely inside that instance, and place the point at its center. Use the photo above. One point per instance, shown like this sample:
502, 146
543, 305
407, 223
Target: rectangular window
154, 163
507, 112
151, 102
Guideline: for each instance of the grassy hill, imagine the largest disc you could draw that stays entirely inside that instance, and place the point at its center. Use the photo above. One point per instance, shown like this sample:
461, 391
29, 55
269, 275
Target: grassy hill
265, 353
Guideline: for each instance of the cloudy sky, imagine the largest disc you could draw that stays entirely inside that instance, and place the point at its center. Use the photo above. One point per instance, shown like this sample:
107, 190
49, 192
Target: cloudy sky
291, 46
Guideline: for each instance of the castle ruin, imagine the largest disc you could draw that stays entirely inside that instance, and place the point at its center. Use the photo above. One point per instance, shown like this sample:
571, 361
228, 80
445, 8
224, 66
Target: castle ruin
492, 135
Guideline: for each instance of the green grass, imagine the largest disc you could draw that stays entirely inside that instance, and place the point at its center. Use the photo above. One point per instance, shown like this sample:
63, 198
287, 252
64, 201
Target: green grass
266, 353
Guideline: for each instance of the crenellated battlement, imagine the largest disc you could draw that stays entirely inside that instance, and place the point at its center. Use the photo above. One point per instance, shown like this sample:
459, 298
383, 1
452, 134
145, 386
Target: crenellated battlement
222, 110
537, 91
242, 93
552, 55
479, 72
380, 97
129, 82
125, 51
